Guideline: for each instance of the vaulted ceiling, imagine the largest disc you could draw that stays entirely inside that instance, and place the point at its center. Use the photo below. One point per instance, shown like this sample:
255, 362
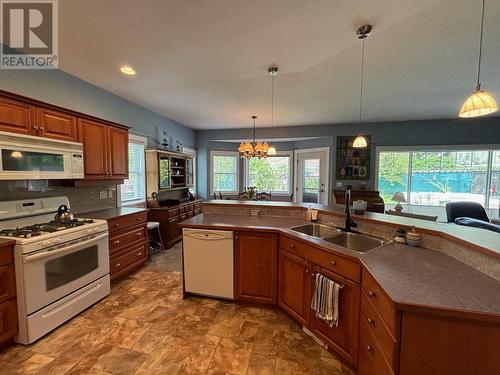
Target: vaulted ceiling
204, 63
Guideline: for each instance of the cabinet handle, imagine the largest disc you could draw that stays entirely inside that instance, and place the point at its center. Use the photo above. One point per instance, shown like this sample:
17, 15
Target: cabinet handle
138, 219
117, 265
292, 246
116, 242
172, 220
333, 263
370, 321
236, 237
138, 234
371, 293
369, 348
139, 254
307, 271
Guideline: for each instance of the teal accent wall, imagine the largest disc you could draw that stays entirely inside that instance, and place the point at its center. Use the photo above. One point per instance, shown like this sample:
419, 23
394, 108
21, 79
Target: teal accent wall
65, 90
480, 131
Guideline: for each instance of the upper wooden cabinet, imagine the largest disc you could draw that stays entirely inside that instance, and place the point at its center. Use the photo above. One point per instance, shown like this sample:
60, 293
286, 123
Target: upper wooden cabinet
54, 124
20, 117
256, 267
16, 116
117, 145
105, 150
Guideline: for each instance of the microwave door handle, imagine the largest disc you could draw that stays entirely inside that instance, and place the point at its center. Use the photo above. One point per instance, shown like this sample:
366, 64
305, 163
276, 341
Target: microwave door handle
67, 249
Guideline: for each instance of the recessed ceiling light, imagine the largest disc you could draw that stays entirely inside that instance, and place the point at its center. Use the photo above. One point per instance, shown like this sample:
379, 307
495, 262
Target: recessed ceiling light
128, 70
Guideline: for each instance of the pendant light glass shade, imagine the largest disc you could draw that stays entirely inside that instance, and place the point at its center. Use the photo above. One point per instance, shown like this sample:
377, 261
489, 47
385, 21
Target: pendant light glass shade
478, 104
360, 142
271, 151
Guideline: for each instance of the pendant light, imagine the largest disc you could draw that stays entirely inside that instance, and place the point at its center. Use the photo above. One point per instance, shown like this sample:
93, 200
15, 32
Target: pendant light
273, 72
253, 149
362, 33
480, 103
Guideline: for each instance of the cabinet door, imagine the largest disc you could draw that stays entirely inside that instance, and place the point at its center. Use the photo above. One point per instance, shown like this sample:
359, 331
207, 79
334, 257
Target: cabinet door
54, 124
173, 231
344, 338
16, 116
256, 270
189, 172
117, 140
93, 136
294, 290
8, 320
7, 282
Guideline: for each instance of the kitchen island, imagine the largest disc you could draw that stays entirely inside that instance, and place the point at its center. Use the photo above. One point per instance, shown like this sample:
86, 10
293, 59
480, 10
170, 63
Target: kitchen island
398, 305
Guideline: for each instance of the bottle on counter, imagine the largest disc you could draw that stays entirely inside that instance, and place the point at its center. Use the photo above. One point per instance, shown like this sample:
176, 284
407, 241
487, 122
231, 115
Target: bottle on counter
314, 215
309, 214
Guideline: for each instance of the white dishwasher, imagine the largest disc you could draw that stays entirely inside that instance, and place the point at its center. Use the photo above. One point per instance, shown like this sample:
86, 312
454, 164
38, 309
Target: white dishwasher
208, 262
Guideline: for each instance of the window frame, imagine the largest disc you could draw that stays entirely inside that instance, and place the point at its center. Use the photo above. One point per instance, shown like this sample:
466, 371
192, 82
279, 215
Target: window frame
290, 156
236, 155
134, 138
436, 148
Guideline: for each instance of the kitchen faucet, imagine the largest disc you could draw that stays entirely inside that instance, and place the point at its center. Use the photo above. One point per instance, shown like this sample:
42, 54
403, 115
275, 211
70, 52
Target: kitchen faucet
349, 223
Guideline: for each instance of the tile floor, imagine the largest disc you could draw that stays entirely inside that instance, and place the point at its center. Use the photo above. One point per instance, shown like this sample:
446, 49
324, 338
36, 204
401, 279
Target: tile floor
145, 327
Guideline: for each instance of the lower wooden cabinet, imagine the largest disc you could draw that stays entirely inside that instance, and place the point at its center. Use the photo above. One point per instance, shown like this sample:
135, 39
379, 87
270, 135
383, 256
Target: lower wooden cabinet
8, 321
343, 339
8, 304
294, 286
256, 268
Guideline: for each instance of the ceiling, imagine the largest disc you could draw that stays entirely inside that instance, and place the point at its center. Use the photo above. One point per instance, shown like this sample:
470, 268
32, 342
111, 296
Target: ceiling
204, 63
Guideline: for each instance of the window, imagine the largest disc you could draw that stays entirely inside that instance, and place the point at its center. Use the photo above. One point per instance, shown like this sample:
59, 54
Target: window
272, 174
133, 190
435, 177
224, 169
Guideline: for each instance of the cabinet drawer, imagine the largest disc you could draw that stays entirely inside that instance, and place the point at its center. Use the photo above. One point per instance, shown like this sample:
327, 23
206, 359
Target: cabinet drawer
137, 233
136, 254
386, 342
7, 282
381, 302
6, 256
172, 213
325, 259
126, 221
371, 360
197, 211
183, 216
182, 209
8, 320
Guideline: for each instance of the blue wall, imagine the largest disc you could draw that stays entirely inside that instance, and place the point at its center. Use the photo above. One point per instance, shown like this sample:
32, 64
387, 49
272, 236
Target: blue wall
405, 133
62, 89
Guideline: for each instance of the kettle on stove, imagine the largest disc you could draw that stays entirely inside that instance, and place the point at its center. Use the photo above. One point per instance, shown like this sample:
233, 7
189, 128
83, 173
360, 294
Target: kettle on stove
63, 214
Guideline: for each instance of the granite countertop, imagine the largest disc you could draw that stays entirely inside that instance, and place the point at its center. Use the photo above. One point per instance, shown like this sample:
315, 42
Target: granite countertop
482, 240
111, 213
414, 278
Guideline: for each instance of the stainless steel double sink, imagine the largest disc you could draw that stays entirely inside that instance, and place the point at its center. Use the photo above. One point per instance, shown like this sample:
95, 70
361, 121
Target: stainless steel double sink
350, 240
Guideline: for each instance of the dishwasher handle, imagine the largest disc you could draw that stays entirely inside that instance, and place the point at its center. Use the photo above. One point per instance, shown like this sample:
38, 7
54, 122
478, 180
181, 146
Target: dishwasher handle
209, 235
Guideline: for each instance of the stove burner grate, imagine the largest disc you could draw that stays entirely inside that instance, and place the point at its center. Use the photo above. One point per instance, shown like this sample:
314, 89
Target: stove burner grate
38, 229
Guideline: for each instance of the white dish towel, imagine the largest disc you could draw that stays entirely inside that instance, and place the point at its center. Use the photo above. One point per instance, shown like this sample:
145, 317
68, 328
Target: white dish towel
325, 301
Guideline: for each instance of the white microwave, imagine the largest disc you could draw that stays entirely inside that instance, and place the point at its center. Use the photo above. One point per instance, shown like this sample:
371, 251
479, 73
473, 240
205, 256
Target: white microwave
27, 157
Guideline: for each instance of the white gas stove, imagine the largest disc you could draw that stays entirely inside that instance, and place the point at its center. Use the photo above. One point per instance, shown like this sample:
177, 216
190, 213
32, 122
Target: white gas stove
61, 268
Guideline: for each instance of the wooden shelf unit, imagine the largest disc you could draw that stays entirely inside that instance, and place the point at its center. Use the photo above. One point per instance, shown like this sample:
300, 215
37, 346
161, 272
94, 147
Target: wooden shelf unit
168, 170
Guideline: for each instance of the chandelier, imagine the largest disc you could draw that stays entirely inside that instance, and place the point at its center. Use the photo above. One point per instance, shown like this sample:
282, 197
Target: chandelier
253, 149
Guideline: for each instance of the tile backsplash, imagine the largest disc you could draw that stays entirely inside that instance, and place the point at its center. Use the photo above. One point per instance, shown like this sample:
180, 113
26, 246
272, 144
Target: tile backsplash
82, 199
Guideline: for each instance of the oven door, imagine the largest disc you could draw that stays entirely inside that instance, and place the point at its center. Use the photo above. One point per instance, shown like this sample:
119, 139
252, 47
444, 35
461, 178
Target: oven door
52, 273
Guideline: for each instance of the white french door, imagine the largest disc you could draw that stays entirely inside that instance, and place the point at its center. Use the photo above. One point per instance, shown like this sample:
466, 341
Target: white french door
311, 175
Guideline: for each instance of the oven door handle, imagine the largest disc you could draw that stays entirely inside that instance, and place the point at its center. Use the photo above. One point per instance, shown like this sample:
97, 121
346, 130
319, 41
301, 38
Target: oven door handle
66, 249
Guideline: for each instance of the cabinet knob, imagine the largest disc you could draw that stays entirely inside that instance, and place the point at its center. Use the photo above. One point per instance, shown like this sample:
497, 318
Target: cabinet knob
307, 271
370, 321
292, 246
369, 348
117, 224
116, 242
138, 234
117, 265
333, 263
139, 254
371, 293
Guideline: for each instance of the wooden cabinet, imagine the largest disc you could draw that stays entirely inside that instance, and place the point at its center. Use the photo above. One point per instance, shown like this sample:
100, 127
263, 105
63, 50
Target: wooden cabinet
8, 304
105, 150
16, 116
256, 267
54, 124
117, 145
169, 219
343, 339
128, 244
294, 286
